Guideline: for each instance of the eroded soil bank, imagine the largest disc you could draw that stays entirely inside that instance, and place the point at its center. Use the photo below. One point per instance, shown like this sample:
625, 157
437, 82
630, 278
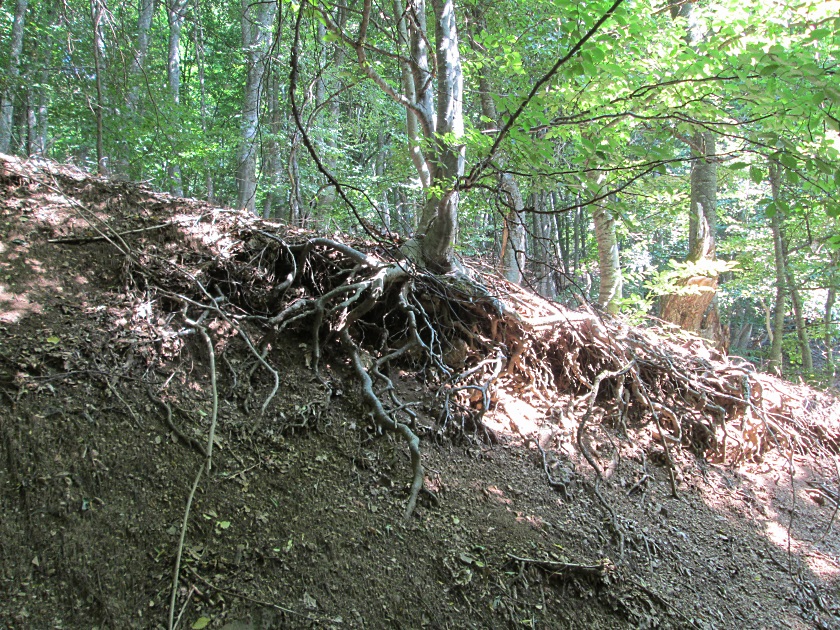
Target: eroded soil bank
299, 523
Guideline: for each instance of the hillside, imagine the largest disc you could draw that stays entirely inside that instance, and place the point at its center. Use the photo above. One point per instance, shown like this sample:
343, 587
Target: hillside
576, 472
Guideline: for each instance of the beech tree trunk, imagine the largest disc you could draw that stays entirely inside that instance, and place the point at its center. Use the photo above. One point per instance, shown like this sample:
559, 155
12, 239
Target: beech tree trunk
542, 248
697, 311
176, 12
97, 15
8, 97
202, 108
787, 276
439, 221
609, 265
828, 325
256, 35
138, 64
774, 363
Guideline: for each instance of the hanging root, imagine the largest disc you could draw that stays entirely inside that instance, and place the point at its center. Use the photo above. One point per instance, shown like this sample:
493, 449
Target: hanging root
469, 336
384, 420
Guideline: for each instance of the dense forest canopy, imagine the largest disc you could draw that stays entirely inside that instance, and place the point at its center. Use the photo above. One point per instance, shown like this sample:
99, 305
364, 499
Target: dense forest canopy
656, 157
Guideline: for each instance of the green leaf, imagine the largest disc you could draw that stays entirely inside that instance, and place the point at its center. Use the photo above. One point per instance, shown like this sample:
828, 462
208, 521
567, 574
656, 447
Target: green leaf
788, 160
53, 339
769, 69
832, 210
224, 524
756, 175
770, 210
200, 623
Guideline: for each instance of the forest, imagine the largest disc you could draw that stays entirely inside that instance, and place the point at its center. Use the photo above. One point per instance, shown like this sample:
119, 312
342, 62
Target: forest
439, 314
674, 159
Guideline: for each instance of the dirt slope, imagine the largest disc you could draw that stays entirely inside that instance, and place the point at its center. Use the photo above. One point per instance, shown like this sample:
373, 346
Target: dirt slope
299, 523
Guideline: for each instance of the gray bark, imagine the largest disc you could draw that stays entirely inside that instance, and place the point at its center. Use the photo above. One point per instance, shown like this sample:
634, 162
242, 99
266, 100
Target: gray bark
97, 16
272, 146
703, 209
442, 129
415, 42
513, 256
544, 230
202, 108
774, 363
176, 12
256, 34
787, 273
609, 265
698, 312
439, 222
612, 282
138, 64
828, 328
12, 73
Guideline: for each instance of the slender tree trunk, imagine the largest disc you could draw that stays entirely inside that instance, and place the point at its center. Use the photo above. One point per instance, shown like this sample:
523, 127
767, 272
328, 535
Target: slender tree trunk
176, 12
256, 33
97, 15
609, 265
31, 123
138, 64
12, 73
416, 82
610, 291
542, 247
774, 363
513, 257
698, 311
799, 320
295, 198
828, 326
43, 111
379, 171
796, 300
202, 107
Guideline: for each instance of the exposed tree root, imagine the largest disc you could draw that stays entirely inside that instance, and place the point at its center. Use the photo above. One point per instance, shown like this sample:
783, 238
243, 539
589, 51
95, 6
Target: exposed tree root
468, 335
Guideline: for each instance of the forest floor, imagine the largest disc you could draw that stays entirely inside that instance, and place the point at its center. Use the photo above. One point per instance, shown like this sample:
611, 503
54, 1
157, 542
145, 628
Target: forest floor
299, 523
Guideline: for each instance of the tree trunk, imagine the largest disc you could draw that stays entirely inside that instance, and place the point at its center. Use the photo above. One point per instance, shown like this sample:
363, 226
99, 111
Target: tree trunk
774, 363
271, 146
828, 326
443, 165
138, 64
202, 108
12, 72
97, 15
439, 222
787, 273
609, 265
608, 262
256, 33
176, 12
697, 311
542, 246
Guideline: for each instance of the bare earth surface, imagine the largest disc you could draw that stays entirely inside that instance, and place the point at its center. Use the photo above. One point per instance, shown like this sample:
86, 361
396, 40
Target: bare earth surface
299, 523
